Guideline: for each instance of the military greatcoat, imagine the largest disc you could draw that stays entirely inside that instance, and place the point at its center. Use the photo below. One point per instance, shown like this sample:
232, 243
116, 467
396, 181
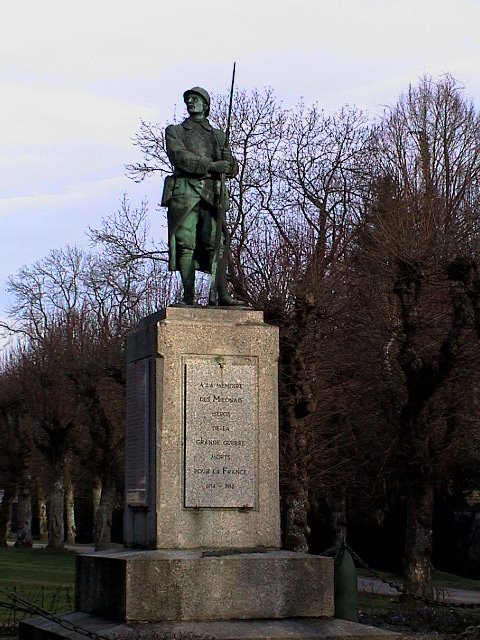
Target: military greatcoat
191, 147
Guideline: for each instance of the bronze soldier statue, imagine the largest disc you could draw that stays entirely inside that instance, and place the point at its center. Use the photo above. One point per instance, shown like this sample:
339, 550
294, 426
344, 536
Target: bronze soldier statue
196, 197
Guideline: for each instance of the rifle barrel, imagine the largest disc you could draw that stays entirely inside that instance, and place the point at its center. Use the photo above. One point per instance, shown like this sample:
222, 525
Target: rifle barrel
220, 209
230, 106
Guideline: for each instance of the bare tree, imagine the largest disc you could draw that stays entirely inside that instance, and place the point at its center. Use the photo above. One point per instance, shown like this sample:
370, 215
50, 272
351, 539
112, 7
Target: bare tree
18, 444
130, 278
421, 245
56, 310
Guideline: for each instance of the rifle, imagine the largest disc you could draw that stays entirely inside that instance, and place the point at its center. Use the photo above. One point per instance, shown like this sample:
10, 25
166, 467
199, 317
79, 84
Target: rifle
221, 198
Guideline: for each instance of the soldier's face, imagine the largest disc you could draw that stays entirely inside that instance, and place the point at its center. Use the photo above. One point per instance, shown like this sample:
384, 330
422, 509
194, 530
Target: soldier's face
195, 104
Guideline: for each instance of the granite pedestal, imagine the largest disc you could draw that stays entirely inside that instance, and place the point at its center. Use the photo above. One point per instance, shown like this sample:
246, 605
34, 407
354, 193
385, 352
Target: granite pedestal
202, 431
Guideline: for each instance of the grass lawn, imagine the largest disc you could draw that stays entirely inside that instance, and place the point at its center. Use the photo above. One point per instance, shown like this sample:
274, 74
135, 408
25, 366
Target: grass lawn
449, 580
43, 577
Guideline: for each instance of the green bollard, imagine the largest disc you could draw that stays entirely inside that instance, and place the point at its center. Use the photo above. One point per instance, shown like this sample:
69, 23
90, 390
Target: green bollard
345, 586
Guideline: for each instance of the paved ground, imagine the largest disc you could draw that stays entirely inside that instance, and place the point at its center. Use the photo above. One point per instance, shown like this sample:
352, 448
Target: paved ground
373, 585
81, 548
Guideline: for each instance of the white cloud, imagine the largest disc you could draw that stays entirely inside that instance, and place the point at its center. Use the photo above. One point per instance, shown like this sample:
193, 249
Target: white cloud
43, 114
64, 199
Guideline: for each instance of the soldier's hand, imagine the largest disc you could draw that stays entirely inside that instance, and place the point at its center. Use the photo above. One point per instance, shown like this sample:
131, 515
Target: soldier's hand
226, 155
220, 166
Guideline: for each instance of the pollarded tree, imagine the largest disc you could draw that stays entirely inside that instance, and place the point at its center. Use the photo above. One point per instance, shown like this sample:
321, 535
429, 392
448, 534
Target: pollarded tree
73, 309
324, 177
22, 467
17, 449
46, 311
97, 373
54, 414
420, 246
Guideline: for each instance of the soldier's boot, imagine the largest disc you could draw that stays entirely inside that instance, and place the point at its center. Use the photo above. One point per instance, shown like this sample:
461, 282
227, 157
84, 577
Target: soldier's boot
187, 274
220, 295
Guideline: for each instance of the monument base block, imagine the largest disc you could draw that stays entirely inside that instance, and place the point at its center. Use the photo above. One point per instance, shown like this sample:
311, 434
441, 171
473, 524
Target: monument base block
286, 629
181, 585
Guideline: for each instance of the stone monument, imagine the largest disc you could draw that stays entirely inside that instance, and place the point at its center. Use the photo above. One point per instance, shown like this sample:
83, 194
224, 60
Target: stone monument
202, 507
202, 520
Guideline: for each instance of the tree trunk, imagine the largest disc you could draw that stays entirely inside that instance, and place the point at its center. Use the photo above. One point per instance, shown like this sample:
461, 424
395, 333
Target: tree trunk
299, 401
103, 517
10, 518
57, 500
338, 506
96, 496
296, 501
296, 526
418, 543
24, 509
42, 519
69, 507
5, 509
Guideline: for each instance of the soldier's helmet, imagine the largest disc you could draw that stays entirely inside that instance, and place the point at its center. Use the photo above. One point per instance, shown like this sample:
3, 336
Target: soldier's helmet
200, 92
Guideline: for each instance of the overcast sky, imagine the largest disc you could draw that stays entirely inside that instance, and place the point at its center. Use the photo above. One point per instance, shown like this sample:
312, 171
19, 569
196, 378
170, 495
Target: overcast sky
78, 76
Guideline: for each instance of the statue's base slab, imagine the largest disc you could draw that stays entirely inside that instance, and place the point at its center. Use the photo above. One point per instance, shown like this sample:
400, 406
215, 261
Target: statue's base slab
181, 585
286, 629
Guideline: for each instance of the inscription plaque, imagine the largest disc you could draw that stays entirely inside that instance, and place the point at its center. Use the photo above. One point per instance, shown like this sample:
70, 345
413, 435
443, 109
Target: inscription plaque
136, 437
221, 425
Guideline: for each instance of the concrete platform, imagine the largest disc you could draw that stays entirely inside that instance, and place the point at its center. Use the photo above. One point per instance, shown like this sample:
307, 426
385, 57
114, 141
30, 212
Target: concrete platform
288, 629
180, 585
